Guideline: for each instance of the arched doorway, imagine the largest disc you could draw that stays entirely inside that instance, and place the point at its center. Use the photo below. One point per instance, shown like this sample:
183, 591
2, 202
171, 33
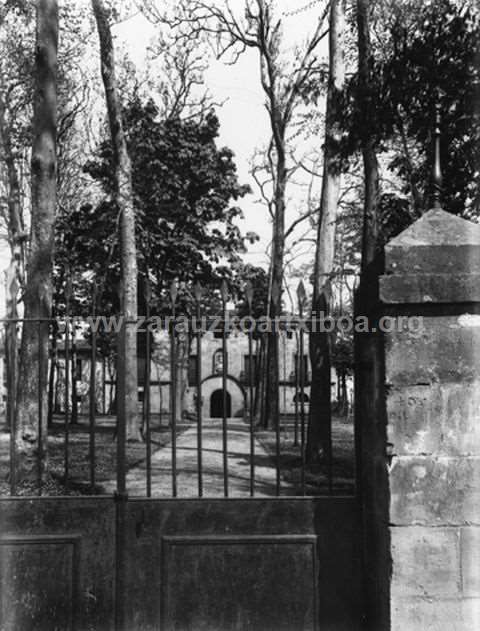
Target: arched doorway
235, 397
298, 398
216, 404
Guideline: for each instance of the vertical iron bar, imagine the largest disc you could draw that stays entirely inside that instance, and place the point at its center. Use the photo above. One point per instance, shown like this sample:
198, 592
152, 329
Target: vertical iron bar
67, 397
52, 371
40, 411
252, 427
276, 334
92, 396
330, 463
12, 332
330, 446
296, 369
302, 403
74, 415
104, 387
199, 401
173, 406
224, 393
284, 387
146, 393
330, 468
121, 496
121, 413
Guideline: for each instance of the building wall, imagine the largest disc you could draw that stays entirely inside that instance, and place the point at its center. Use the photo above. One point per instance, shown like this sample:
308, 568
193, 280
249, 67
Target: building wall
237, 384
211, 370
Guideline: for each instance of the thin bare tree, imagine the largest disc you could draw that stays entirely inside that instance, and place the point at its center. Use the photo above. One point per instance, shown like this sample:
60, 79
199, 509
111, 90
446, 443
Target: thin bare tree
284, 84
127, 373
319, 426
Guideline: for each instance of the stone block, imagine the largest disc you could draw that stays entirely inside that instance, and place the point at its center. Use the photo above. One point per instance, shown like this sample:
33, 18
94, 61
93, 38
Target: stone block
439, 242
435, 491
470, 560
442, 420
425, 614
470, 612
446, 348
434, 259
429, 288
425, 562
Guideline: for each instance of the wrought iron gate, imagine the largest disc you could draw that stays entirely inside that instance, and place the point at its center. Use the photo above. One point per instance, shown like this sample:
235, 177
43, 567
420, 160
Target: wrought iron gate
221, 527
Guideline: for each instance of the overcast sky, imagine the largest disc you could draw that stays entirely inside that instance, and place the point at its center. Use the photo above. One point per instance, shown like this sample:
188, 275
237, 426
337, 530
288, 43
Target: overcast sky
244, 123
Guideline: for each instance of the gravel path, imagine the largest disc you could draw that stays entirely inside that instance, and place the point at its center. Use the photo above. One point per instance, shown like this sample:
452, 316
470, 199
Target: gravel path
187, 472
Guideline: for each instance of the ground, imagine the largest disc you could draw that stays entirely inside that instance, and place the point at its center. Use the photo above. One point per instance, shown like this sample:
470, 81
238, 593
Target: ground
238, 462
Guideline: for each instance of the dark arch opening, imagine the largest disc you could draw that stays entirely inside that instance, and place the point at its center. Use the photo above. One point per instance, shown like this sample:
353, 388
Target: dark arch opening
216, 404
298, 398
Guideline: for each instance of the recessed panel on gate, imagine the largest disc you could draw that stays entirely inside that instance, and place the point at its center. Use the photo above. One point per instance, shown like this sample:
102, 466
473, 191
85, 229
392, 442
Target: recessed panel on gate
57, 564
38, 582
247, 583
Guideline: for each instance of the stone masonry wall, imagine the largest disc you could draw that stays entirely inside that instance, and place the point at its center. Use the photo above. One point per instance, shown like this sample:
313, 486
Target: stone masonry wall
429, 463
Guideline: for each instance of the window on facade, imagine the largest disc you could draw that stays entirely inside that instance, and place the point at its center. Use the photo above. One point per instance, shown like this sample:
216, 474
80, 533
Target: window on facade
218, 362
218, 331
141, 371
250, 368
192, 370
305, 367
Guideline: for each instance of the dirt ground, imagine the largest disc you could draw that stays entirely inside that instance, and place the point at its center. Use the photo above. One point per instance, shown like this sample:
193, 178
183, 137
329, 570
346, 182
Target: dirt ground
238, 461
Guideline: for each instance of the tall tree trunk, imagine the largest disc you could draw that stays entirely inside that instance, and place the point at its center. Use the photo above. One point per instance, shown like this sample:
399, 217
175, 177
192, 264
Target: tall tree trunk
15, 273
15, 216
320, 414
128, 378
260, 390
31, 412
11, 354
276, 282
370, 163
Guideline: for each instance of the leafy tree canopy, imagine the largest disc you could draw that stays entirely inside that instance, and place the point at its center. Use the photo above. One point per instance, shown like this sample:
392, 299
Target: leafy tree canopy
185, 190
424, 53
435, 59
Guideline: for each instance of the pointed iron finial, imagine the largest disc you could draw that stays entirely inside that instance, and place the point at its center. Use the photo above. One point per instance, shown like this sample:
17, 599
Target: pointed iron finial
147, 290
224, 291
198, 291
173, 292
437, 179
249, 293
301, 293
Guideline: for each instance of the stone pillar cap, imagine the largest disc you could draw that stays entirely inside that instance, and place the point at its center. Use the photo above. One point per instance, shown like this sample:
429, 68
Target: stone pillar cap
436, 259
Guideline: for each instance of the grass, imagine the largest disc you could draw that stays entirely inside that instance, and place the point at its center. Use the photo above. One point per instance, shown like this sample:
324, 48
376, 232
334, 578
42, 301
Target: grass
79, 457
316, 477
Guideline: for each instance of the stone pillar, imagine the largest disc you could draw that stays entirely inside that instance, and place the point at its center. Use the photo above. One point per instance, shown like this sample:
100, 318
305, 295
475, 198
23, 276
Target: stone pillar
431, 450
